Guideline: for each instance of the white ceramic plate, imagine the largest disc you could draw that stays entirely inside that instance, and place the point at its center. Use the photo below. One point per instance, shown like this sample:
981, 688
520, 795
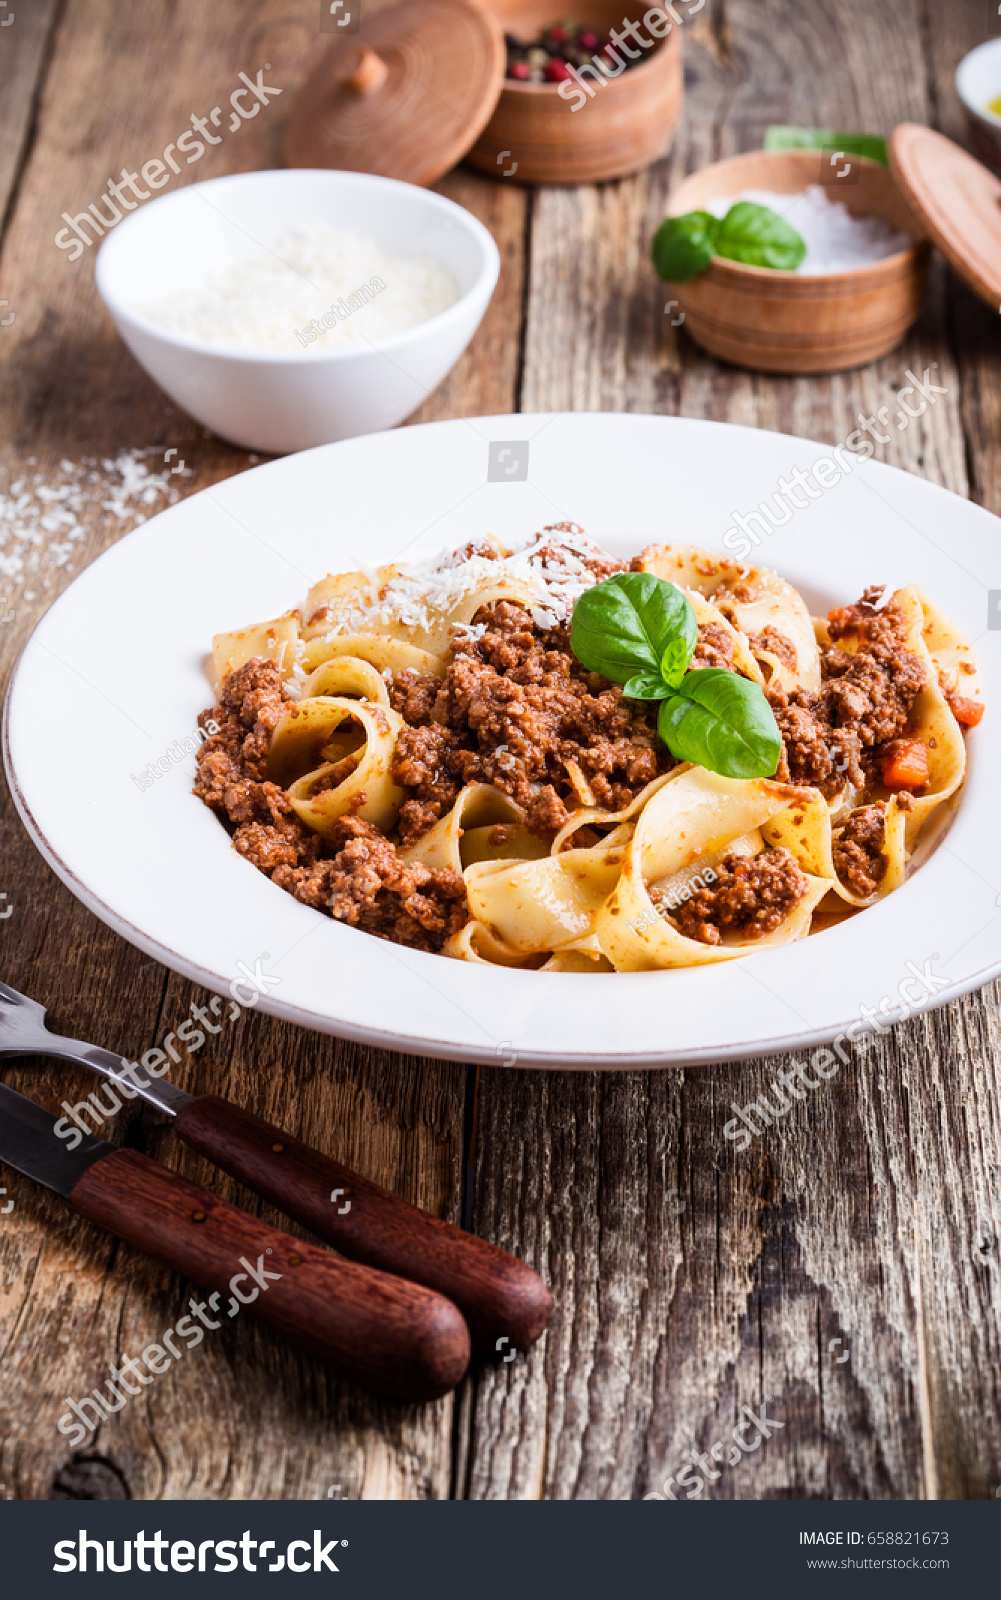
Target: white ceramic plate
114, 675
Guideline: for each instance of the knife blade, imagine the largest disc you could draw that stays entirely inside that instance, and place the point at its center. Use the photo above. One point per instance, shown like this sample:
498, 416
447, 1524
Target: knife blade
29, 1144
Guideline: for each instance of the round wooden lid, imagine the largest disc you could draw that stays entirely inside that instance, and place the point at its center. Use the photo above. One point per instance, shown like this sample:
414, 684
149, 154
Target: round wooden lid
405, 97
958, 200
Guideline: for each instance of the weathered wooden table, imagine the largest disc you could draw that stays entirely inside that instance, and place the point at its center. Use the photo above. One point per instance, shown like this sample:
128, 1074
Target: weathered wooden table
848, 1264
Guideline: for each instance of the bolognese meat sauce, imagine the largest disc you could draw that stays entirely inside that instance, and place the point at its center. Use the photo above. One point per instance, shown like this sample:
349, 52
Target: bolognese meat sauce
516, 710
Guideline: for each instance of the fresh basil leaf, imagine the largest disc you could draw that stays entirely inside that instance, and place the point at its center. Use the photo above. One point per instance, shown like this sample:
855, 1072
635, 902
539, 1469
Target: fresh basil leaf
872, 146
645, 686
721, 721
684, 246
674, 661
759, 237
622, 627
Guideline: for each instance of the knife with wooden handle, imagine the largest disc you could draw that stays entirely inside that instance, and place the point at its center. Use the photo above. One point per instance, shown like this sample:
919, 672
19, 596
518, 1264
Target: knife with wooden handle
504, 1301
392, 1336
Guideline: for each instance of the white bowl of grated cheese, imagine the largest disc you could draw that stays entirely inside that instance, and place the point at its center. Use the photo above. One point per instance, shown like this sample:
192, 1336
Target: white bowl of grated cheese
287, 309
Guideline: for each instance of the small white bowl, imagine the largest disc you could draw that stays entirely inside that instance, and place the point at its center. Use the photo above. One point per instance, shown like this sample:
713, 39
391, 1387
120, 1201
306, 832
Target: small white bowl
274, 402
978, 79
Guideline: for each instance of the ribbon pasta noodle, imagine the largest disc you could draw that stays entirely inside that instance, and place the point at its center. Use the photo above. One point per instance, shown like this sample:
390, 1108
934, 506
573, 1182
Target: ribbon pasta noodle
335, 755
754, 600
418, 752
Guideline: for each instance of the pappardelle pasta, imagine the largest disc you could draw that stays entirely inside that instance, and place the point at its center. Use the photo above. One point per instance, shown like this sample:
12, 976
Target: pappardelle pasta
427, 752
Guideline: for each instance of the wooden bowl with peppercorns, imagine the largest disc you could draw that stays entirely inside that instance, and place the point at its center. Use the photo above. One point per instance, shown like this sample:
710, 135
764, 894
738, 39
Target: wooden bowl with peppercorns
584, 99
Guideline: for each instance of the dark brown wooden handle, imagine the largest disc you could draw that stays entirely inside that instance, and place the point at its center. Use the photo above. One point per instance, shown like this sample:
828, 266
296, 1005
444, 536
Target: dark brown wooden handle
393, 1337
505, 1303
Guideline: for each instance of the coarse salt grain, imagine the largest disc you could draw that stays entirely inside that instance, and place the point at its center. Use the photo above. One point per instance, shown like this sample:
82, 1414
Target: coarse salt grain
275, 301
835, 240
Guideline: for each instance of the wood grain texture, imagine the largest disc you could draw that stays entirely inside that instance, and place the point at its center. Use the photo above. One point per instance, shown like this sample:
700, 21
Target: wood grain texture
24, 38
976, 331
690, 1279
404, 97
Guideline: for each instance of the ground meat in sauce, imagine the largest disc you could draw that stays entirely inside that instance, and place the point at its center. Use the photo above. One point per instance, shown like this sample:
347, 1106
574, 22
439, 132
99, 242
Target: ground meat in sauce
232, 767
714, 647
750, 896
357, 876
776, 644
231, 760
363, 881
857, 848
834, 735
513, 708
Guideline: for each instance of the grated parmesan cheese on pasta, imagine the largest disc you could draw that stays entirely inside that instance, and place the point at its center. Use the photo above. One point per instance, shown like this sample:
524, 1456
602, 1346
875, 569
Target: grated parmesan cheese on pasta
553, 567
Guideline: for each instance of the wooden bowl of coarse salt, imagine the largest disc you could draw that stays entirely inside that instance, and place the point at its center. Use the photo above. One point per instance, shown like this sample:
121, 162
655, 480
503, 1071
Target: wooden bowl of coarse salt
808, 320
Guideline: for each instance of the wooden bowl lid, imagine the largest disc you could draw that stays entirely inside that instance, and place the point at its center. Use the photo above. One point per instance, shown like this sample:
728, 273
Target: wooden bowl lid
959, 201
405, 97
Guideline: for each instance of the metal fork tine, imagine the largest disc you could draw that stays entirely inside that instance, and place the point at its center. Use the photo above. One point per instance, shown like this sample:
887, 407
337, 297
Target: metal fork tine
22, 1003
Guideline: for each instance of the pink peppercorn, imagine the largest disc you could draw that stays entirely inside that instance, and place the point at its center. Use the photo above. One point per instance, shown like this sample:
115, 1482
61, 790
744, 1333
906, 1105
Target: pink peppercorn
556, 71
587, 40
519, 69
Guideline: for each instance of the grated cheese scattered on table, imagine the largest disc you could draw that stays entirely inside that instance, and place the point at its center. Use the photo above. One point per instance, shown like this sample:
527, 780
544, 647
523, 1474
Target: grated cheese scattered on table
44, 518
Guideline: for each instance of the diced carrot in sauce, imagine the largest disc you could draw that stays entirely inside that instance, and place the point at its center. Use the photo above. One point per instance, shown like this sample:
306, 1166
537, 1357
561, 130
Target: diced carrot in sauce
905, 764
842, 617
966, 712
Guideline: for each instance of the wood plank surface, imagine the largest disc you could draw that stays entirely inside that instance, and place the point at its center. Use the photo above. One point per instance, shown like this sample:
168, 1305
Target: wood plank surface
25, 35
690, 1279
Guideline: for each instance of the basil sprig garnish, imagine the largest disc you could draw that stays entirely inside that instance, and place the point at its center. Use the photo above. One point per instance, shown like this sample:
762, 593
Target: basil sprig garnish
641, 631
753, 234
623, 626
684, 246
719, 720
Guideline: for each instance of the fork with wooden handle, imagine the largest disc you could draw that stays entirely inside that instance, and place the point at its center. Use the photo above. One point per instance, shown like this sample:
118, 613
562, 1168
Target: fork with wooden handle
503, 1301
